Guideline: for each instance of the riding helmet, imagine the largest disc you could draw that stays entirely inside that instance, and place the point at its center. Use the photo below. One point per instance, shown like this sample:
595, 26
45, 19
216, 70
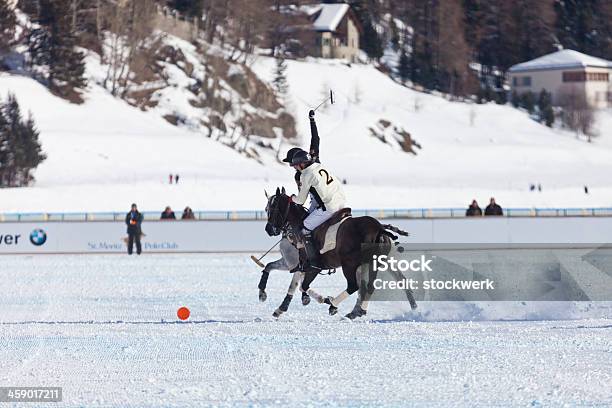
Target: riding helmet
290, 154
300, 157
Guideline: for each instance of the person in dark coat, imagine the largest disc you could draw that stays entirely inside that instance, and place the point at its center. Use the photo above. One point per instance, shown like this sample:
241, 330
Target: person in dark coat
168, 214
188, 214
473, 210
493, 208
133, 220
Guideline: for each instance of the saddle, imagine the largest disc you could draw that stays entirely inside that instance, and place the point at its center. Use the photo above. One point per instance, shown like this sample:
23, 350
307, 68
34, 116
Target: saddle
325, 234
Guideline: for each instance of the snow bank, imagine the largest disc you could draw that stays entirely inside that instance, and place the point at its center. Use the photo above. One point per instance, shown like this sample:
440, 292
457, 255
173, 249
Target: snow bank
105, 154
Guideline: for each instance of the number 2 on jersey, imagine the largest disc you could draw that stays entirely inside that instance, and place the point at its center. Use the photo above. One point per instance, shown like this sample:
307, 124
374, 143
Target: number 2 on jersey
328, 178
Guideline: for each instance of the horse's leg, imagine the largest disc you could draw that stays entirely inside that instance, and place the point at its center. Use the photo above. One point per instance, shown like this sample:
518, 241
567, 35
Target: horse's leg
318, 297
365, 291
295, 281
308, 278
409, 294
305, 295
350, 274
310, 292
265, 273
262, 285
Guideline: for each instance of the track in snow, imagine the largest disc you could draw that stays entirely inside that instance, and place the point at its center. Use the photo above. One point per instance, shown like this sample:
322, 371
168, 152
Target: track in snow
104, 328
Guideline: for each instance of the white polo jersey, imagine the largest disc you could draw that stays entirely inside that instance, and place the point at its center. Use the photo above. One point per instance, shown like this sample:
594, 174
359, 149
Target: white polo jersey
324, 187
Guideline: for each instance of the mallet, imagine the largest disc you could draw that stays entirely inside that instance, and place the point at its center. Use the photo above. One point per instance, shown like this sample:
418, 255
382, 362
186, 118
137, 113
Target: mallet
331, 99
258, 260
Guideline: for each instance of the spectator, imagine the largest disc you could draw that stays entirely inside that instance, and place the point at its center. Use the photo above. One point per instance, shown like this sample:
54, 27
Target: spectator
170, 178
493, 208
586, 190
473, 210
168, 214
188, 214
133, 220
539, 187
176, 178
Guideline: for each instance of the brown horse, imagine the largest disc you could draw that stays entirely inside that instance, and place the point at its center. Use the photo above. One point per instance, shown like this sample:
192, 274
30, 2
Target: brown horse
285, 216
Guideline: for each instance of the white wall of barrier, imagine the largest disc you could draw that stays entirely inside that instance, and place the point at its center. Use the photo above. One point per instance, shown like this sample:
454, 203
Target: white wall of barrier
249, 236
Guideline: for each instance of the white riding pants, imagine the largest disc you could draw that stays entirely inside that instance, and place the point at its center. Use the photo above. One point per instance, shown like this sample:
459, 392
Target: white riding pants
316, 218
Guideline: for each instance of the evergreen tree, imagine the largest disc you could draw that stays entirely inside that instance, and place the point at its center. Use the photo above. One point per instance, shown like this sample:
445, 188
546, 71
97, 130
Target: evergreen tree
549, 116
33, 155
528, 102
53, 53
584, 25
39, 49
545, 111
403, 68
15, 139
5, 153
7, 26
370, 40
20, 151
471, 9
189, 8
515, 99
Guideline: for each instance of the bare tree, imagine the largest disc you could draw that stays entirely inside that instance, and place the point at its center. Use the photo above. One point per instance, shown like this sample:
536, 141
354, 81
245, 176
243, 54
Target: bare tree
578, 115
131, 26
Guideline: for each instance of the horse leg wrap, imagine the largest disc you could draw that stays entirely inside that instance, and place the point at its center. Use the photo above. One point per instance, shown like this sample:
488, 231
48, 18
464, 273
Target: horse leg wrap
315, 296
285, 305
340, 298
263, 282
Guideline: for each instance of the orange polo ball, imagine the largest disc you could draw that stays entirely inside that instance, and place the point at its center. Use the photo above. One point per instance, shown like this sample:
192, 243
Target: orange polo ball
183, 313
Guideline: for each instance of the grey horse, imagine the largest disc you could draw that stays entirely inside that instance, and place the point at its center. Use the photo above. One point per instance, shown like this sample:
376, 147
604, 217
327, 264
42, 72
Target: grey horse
289, 260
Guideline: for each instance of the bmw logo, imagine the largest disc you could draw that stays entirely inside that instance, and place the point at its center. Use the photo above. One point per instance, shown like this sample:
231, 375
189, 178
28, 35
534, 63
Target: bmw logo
38, 237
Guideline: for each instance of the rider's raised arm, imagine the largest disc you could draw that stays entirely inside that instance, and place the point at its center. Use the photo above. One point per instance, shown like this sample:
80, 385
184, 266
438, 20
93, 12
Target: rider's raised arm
314, 137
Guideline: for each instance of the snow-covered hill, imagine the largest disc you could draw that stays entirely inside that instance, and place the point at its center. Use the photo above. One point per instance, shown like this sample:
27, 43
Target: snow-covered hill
105, 154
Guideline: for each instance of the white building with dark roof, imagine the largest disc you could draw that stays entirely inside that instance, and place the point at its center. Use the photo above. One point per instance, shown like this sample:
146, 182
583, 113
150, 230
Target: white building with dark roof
338, 31
565, 73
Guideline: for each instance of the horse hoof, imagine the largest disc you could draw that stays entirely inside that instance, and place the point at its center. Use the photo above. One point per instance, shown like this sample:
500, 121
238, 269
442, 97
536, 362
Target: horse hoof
333, 310
358, 312
262, 295
328, 300
305, 299
413, 306
277, 313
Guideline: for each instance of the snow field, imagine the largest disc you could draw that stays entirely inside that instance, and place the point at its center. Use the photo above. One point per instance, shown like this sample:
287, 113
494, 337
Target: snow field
104, 328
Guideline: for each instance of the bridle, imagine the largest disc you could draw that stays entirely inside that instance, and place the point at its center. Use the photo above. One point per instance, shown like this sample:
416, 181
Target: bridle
274, 214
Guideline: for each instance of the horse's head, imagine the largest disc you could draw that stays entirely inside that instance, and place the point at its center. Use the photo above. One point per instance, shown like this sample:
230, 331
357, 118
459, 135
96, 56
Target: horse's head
277, 209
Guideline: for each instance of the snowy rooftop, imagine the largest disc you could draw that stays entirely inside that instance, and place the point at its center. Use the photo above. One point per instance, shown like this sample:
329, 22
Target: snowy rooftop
331, 15
561, 59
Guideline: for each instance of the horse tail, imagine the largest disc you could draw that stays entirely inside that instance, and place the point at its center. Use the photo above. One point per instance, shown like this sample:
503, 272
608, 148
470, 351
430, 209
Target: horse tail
388, 229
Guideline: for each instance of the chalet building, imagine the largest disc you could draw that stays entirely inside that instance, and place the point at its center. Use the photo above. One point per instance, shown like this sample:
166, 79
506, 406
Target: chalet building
565, 73
337, 31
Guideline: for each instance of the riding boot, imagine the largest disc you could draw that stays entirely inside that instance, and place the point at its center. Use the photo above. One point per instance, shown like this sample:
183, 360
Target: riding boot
303, 257
309, 256
311, 252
